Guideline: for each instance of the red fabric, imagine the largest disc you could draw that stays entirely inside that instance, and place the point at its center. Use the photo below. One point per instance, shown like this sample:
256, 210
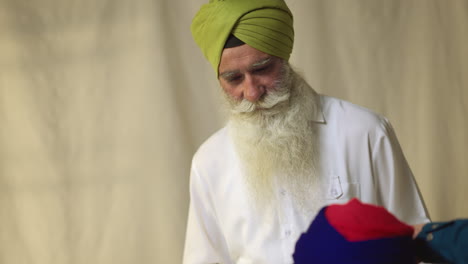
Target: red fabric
359, 222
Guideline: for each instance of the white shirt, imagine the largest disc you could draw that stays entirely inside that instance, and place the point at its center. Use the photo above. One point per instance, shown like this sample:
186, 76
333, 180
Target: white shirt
360, 156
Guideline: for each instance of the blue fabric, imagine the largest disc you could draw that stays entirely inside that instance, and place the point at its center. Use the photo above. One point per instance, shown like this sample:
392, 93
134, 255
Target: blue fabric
444, 242
323, 244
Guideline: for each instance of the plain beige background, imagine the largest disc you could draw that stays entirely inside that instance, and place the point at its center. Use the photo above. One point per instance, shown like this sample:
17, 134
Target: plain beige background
103, 103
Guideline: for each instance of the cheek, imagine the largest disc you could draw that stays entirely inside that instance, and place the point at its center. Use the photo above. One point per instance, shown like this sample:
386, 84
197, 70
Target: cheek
230, 90
271, 81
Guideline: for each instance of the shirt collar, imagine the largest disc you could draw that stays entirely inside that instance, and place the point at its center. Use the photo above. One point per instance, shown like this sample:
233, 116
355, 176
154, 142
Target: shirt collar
319, 117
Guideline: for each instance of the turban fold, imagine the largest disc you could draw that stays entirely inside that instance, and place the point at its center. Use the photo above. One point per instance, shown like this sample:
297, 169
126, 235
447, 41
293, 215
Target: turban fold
266, 25
355, 233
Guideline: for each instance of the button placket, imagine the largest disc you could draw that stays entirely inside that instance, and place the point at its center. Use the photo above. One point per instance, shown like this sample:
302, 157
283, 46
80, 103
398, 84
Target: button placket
286, 213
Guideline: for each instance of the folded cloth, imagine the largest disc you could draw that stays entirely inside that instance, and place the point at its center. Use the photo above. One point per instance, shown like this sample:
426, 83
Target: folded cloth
356, 233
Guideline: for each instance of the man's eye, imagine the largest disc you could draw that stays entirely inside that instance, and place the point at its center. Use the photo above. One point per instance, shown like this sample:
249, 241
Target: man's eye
261, 70
234, 79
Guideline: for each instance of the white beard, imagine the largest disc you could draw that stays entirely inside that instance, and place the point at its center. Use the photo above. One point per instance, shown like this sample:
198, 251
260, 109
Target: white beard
277, 145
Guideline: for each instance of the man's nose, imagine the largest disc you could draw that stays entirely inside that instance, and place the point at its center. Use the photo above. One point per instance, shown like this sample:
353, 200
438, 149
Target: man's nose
253, 90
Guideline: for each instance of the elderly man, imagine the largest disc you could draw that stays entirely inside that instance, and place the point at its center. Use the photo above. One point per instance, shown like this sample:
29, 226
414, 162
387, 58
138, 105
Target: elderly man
286, 151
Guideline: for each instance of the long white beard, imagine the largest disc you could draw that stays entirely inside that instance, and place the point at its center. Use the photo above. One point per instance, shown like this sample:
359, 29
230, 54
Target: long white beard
277, 143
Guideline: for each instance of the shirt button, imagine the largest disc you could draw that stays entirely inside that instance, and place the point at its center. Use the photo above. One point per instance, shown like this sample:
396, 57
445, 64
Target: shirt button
434, 226
283, 192
287, 233
430, 237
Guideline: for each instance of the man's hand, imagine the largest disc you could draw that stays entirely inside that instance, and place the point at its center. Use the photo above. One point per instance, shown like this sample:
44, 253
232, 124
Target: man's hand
417, 229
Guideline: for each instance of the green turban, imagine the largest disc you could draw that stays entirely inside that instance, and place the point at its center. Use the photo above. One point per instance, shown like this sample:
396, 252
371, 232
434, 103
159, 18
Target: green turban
266, 25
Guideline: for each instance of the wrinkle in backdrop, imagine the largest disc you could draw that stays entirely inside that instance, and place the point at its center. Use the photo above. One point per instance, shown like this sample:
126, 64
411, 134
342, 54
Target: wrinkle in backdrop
103, 103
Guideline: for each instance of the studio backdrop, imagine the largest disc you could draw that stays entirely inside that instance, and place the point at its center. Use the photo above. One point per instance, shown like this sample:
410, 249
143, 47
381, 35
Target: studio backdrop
103, 103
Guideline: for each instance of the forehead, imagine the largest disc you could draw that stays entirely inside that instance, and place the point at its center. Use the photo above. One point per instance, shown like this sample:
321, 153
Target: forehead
240, 57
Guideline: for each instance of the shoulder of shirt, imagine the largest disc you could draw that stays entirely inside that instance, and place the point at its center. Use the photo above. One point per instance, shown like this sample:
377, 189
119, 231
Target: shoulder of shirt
216, 147
351, 116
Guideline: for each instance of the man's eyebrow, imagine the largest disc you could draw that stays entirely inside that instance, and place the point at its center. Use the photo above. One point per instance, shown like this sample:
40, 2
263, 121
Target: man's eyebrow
228, 74
261, 62
257, 64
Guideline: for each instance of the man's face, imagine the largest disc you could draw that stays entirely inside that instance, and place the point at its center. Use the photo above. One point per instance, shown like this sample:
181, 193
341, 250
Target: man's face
247, 73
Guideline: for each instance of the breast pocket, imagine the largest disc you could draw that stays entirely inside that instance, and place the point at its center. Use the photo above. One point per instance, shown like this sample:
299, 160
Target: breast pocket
339, 191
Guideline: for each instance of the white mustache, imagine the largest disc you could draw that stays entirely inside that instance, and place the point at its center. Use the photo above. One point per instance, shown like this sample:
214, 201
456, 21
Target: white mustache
270, 100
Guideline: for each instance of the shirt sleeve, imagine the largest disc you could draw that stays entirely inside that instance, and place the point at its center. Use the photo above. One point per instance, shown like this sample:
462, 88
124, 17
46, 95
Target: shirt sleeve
443, 242
204, 242
396, 187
